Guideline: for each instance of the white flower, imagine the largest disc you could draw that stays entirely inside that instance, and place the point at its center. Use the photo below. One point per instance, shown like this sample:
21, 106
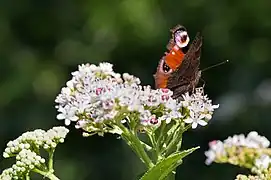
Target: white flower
67, 113
106, 68
147, 119
7, 174
81, 124
37, 137
253, 140
263, 161
22, 149
195, 119
26, 160
216, 148
259, 141
130, 79
200, 107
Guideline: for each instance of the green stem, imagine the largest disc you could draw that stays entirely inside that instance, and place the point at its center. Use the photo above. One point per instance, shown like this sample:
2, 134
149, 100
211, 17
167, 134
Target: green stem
176, 138
171, 133
155, 145
146, 146
27, 177
51, 160
53, 177
179, 144
47, 174
169, 140
133, 141
173, 142
160, 139
171, 176
161, 133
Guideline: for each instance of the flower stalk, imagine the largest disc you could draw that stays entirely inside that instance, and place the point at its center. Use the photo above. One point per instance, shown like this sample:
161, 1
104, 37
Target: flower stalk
47, 174
137, 146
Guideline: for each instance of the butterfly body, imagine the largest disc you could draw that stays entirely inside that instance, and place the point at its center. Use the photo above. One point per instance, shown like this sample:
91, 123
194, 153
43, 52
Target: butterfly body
179, 70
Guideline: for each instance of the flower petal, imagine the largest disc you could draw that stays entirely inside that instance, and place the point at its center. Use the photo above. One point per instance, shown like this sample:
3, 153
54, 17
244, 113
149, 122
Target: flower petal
67, 122
202, 123
60, 116
194, 125
215, 106
188, 120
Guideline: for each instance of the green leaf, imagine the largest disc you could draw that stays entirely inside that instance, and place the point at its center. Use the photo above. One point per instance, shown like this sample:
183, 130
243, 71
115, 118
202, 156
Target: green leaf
163, 168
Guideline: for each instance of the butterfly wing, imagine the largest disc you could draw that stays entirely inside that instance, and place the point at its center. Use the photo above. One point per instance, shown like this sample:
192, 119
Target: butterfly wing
187, 75
161, 77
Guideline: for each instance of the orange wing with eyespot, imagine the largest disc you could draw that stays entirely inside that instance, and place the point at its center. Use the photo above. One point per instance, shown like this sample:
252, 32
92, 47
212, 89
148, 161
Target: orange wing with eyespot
169, 63
179, 71
186, 77
172, 60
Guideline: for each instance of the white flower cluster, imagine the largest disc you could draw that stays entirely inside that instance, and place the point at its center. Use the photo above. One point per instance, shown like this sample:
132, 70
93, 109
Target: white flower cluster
200, 108
26, 160
25, 149
252, 140
36, 139
96, 96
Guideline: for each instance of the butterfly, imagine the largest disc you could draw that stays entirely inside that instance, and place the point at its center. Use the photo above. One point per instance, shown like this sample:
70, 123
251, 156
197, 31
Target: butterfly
179, 70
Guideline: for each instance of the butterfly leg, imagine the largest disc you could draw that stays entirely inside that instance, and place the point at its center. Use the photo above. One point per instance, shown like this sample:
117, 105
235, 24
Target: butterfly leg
177, 93
203, 85
196, 81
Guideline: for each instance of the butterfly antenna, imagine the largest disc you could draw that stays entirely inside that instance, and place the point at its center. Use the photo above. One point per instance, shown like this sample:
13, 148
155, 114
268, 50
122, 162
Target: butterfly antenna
215, 65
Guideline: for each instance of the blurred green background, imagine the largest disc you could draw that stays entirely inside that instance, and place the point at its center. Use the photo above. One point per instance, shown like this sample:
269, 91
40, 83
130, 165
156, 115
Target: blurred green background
42, 42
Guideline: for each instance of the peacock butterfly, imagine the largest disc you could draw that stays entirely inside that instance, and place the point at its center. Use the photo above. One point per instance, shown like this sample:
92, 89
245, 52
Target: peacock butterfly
179, 70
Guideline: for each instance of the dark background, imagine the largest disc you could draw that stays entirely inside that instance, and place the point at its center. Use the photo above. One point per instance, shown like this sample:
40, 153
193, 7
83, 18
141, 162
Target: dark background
42, 42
